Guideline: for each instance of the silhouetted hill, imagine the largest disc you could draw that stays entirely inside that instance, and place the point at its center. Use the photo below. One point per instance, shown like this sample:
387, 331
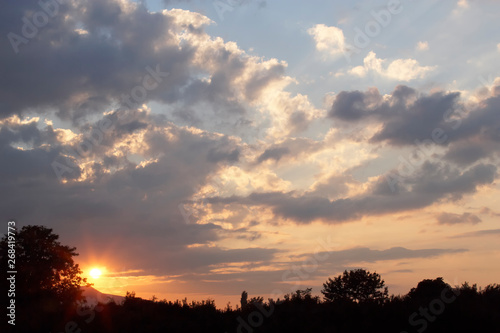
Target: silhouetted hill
94, 296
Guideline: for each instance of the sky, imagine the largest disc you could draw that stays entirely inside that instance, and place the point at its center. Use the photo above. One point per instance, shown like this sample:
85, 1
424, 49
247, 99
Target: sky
201, 148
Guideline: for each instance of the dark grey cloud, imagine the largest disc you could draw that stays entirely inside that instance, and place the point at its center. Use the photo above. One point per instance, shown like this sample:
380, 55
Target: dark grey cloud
299, 121
467, 153
13, 132
479, 233
273, 154
406, 115
288, 150
215, 155
335, 186
434, 182
402, 271
451, 218
93, 55
355, 105
189, 260
202, 258
409, 118
255, 282
477, 135
364, 254
78, 73
405, 124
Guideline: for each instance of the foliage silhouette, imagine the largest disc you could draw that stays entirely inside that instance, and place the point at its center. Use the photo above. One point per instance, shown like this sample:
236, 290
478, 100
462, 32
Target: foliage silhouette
47, 281
358, 304
358, 286
244, 299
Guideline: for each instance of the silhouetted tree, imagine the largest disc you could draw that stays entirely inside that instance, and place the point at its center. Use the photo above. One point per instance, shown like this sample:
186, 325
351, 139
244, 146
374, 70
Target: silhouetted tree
244, 300
427, 290
256, 300
44, 266
47, 282
356, 285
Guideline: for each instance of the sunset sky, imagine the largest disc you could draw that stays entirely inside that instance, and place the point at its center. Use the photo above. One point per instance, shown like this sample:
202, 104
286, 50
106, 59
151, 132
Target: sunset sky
201, 148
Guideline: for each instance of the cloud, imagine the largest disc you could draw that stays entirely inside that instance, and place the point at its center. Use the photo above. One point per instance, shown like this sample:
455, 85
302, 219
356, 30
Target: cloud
488, 211
467, 153
479, 233
289, 150
432, 183
105, 190
286, 274
122, 169
422, 46
82, 73
171, 142
402, 271
405, 115
273, 154
364, 254
335, 186
329, 40
203, 81
452, 219
204, 258
469, 133
399, 69
356, 105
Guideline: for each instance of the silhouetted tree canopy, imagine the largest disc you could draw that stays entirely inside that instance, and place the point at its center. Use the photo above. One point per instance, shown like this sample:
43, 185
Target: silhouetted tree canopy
357, 286
44, 266
427, 289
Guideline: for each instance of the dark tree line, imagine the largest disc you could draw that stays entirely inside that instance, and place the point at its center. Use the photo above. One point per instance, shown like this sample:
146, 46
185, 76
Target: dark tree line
49, 300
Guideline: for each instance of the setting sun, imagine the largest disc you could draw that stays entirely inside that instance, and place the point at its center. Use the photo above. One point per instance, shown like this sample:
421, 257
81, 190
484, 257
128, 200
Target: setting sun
95, 273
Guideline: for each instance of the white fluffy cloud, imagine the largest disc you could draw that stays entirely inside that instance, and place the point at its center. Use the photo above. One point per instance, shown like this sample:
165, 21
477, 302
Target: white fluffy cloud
399, 69
329, 40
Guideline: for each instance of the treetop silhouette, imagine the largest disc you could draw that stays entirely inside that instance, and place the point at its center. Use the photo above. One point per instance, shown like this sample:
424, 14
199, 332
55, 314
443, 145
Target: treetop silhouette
358, 286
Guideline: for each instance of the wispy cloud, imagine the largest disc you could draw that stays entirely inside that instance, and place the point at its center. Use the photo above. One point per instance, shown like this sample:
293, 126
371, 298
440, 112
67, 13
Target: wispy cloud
479, 233
451, 218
